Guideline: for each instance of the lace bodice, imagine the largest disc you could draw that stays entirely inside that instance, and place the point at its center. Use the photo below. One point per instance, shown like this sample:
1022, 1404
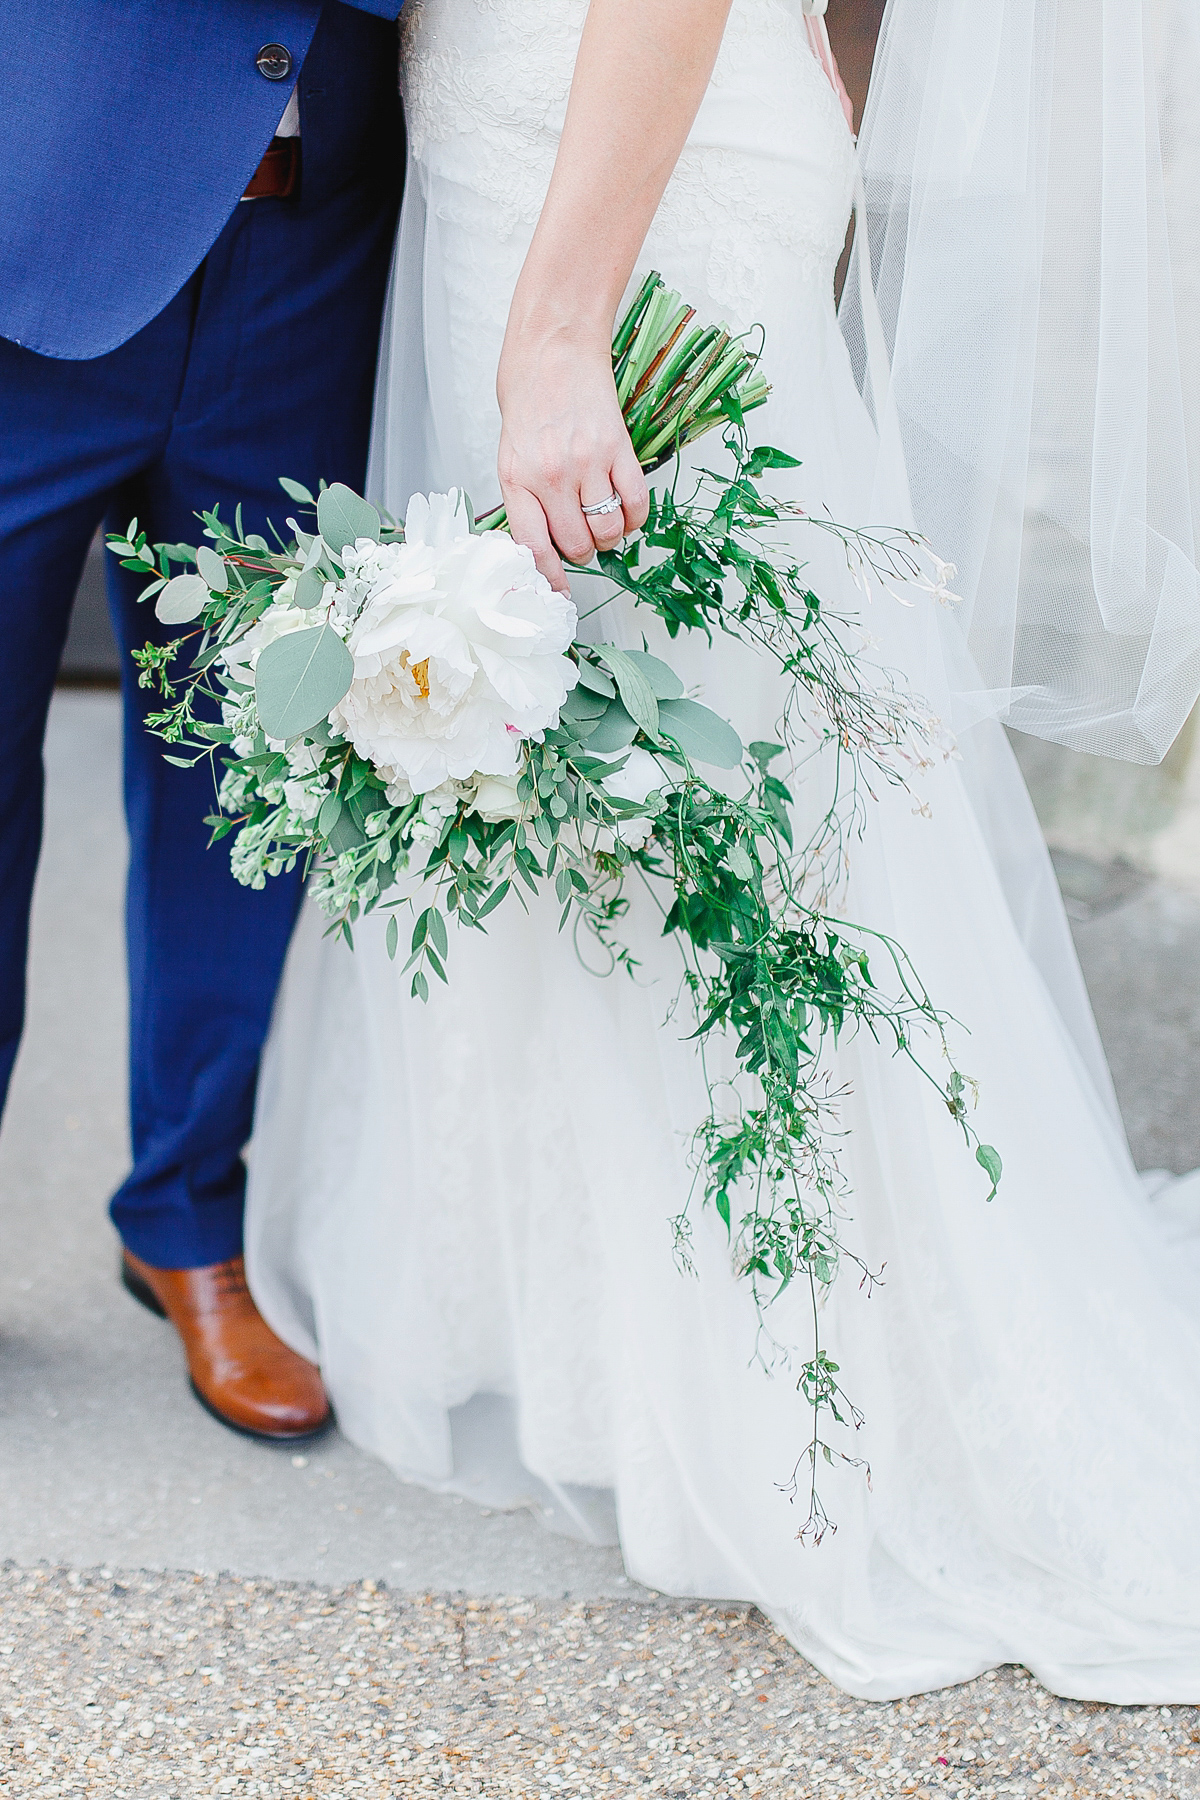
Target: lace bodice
486, 84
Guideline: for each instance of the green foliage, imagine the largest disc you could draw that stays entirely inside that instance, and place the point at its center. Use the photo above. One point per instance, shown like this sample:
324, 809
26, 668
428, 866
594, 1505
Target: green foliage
299, 680
343, 516
212, 570
295, 490
766, 965
182, 600
989, 1161
702, 735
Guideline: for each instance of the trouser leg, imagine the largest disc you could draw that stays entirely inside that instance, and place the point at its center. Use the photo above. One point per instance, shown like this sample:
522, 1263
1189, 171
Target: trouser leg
204, 956
69, 433
40, 564
279, 382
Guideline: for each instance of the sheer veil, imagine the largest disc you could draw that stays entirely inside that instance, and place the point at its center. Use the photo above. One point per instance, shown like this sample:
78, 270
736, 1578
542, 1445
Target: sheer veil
1032, 172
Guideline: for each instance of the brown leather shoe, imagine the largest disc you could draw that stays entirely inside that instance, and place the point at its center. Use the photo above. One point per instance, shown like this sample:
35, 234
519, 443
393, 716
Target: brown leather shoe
241, 1372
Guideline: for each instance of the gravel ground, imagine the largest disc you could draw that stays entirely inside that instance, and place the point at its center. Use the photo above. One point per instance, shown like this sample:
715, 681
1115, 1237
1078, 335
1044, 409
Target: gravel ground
180, 1685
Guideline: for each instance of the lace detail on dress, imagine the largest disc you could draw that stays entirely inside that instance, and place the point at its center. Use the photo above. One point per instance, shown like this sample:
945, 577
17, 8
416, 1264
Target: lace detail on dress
486, 84
496, 73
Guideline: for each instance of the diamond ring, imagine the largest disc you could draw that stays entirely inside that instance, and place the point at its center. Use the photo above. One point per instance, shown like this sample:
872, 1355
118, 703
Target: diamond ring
613, 504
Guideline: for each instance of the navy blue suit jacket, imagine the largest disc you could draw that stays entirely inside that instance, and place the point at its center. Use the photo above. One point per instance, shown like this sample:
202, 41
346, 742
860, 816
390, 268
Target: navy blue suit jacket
128, 132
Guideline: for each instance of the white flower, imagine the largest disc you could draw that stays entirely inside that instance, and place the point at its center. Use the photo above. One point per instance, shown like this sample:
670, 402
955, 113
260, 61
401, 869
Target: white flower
304, 798
234, 791
458, 651
496, 799
251, 858
944, 574
438, 805
240, 715
335, 884
640, 778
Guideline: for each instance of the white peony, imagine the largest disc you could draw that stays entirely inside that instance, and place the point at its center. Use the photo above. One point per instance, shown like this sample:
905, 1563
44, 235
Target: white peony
458, 651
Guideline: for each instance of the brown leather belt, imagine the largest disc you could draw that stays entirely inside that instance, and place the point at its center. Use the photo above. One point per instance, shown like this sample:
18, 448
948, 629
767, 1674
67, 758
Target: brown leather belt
277, 176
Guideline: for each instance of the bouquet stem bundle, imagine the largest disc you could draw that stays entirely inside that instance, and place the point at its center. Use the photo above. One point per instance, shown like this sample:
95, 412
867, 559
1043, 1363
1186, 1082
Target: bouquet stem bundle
676, 380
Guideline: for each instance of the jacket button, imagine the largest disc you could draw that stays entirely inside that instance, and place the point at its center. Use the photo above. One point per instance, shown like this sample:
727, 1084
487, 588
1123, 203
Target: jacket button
274, 61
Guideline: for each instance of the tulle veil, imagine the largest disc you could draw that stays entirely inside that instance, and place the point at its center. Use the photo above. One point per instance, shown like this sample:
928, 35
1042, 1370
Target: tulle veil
1031, 172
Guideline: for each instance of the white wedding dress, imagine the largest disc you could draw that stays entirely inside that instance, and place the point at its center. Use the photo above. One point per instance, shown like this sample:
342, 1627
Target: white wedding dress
462, 1210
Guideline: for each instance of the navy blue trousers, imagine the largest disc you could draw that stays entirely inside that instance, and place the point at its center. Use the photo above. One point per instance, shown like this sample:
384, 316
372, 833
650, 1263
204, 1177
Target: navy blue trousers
262, 366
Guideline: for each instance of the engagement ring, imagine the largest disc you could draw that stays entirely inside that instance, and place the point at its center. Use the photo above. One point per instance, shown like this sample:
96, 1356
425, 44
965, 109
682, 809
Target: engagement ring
613, 504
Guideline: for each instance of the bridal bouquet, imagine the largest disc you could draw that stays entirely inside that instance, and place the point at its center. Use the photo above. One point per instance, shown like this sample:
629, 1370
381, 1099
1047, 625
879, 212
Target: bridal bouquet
410, 712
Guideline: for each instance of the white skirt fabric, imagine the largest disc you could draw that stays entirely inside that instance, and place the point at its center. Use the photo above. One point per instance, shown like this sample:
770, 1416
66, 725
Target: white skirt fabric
463, 1210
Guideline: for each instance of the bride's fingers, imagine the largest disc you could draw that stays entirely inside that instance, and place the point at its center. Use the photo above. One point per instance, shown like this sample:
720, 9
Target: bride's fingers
607, 529
570, 530
629, 481
528, 524
626, 481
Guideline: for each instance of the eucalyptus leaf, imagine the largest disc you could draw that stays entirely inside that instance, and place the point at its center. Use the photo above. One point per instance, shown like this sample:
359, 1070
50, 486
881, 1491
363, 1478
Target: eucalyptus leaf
343, 516
182, 600
344, 834
299, 680
295, 490
212, 570
579, 706
740, 864
664, 681
701, 734
635, 690
595, 680
310, 588
615, 731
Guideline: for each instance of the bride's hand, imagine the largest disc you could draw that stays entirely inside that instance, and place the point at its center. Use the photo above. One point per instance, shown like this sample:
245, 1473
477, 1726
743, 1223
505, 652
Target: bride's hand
564, 446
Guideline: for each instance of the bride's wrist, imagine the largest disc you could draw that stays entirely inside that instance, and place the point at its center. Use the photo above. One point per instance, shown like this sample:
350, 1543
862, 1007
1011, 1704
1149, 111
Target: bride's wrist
542, 349
562, 306
550, 325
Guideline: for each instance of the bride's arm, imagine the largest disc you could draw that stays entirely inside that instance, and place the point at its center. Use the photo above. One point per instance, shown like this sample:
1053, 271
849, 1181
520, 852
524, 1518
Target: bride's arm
641, 73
